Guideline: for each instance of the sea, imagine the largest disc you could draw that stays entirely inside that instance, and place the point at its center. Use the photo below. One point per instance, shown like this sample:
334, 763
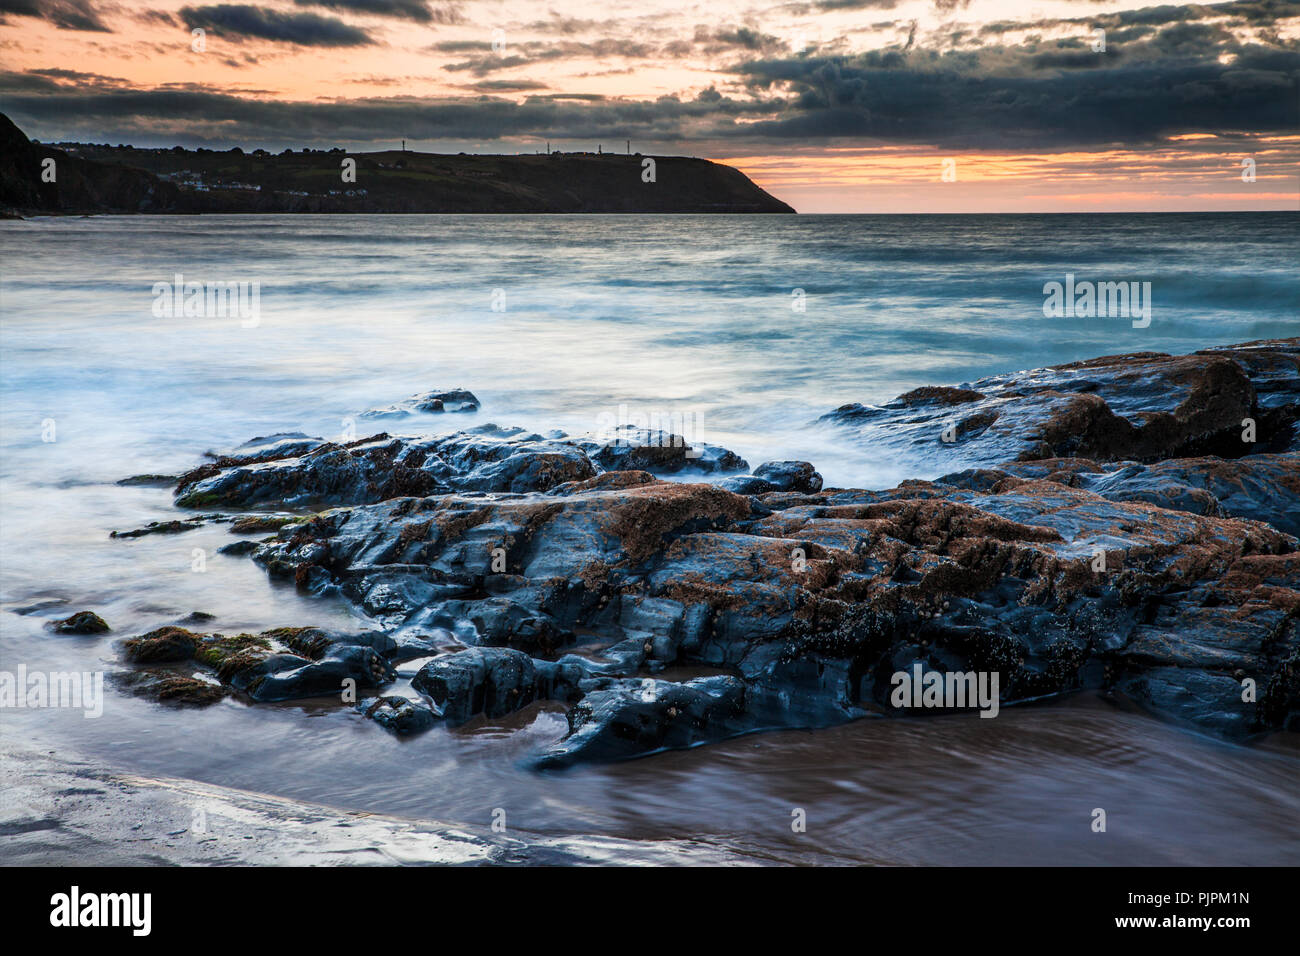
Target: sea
740, 331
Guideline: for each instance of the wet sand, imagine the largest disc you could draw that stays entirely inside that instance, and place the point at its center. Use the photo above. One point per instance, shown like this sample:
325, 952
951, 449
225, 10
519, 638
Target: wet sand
61, 811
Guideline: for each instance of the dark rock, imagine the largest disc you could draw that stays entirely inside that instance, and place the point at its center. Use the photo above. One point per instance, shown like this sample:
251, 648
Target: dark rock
633, 449
156, 481
1072, 554
487, 458
259, 524
1261, 487
286, 663
238, 548
631, 718
454, 400
1143, 407
790, 476
167, 687
494, 681
747, 485
1212, 701
163, 645
83, 622
982, 578
161, 527
398, 714
289, 677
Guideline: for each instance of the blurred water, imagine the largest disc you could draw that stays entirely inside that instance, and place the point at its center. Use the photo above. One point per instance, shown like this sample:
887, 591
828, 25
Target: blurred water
675, 316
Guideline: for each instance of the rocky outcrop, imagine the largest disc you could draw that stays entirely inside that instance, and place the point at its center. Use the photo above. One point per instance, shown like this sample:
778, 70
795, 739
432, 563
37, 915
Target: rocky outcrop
429, 403
1147, 407
288, 663
670, 613
83, 622
775, 476
303, 471
1261, 487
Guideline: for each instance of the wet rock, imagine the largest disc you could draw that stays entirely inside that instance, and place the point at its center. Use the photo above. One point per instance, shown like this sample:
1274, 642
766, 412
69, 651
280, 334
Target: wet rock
259, 524
227, 656
813, 604
631, 718
486, 459
494, 681
1143, 407
641, 449
453, 400
151, 481
747, 485
1209, 700
83, 622
163, 645
238, 548
1110, 533
280, 677
1261, 487
400, 715
287, 663
167, 687
790, 476
163, 527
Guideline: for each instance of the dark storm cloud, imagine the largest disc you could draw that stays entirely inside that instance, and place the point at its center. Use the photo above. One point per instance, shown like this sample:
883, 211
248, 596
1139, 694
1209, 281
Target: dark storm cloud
27, 83
156, 16
64, 14
737, 38
239, 21
417, 10
705, 40
1253, 13
506, 86
1042, 95
1039, 99
516, 54
852, 5
208, 116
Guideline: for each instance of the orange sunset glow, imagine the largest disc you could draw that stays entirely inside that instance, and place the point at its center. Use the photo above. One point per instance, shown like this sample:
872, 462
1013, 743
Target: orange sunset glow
833, 105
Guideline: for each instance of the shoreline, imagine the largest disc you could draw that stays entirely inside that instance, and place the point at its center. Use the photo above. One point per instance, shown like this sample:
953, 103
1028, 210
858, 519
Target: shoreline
1120, 523
58, 810
1197, 589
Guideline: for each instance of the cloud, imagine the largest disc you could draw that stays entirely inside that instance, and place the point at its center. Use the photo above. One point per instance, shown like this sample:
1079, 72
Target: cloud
706, 41
506, 86
1185, 77
196, 116
417, 10
64, 14
1167, 77
238, 21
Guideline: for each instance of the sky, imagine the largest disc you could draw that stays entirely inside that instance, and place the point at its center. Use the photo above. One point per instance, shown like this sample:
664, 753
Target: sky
888, 106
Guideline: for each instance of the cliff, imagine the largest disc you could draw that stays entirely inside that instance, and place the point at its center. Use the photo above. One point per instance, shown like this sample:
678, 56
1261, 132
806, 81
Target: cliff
79, 185
105, 178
